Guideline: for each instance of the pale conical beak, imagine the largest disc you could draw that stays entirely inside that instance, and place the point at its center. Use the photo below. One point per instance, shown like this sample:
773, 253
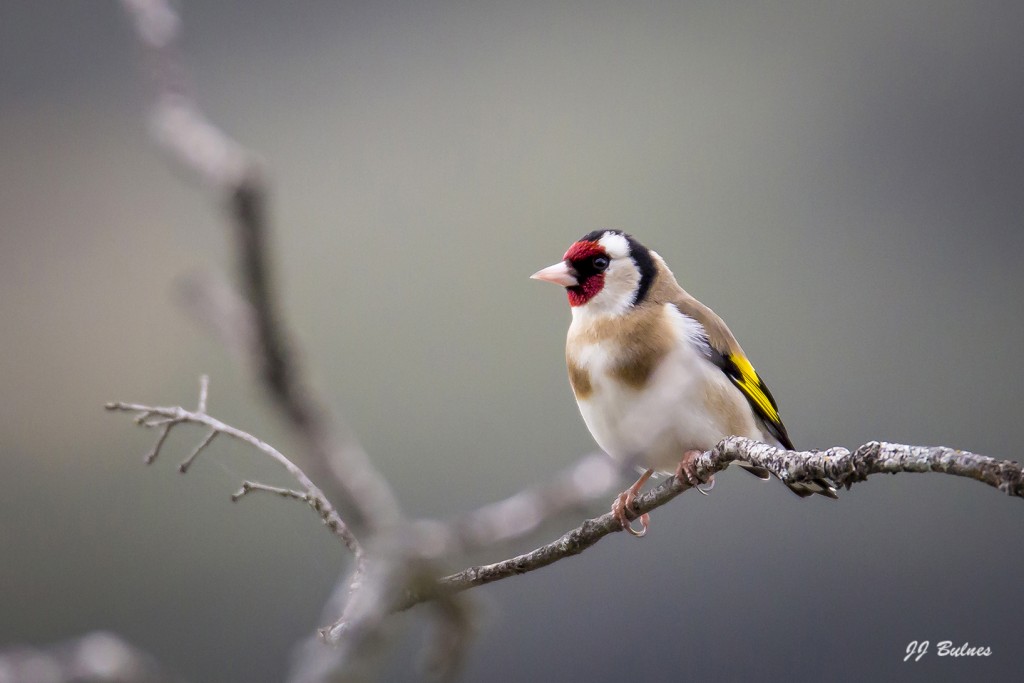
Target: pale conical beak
560, 273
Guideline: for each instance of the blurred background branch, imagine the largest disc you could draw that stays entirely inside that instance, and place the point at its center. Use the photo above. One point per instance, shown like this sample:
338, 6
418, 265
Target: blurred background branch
97, 657
226, 167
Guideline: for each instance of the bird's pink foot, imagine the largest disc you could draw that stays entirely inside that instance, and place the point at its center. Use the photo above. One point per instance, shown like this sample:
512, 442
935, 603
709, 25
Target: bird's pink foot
624, 501
685, 471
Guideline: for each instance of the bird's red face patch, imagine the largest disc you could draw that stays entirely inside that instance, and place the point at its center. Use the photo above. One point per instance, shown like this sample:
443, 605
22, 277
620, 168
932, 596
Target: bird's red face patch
586, 290
584, 250
581, 257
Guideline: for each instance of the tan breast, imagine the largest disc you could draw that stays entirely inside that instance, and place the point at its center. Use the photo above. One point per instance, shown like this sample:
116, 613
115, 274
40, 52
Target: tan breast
579, 379
635, 344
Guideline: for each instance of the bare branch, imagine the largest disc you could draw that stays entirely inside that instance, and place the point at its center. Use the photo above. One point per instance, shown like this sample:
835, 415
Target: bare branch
250, 486
174, 415
453, 630
220, 311
364, 627
204, 390
329, 517
846, 468
838, 464
167, 424
358, 648
521, 513
178, 124
333, 447
187, 462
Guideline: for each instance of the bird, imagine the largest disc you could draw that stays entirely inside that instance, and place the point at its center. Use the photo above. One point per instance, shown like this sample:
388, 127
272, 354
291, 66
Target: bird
658, 376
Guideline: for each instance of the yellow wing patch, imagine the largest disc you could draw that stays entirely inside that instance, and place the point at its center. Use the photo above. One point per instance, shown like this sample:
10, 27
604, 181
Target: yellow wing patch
746, 379
753, 387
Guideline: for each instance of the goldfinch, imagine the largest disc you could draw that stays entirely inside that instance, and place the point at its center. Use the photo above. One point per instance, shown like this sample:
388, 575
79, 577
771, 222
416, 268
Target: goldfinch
657, 375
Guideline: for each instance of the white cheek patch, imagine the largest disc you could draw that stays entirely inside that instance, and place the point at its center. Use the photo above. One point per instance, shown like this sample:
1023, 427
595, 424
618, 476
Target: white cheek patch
616, 296
621, 279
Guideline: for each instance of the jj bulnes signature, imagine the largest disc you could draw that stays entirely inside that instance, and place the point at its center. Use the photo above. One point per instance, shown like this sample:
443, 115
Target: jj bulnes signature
917, 649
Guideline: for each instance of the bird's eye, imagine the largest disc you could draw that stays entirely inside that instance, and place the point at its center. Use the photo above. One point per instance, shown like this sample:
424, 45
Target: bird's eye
600, 263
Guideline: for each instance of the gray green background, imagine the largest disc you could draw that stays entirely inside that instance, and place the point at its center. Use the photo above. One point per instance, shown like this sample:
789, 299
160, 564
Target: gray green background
843, 182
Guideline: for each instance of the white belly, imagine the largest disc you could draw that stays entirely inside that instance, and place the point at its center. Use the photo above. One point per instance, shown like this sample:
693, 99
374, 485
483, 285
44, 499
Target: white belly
680, 408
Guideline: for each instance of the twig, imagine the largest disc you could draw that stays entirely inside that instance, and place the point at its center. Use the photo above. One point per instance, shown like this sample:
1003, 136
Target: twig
175, 415
250, 486
187, 462
838, 464
204, 390
333, 521
155, 451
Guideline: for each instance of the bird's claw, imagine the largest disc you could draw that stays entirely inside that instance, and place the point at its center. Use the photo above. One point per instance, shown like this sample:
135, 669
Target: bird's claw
686, 472
622, 503
704, 491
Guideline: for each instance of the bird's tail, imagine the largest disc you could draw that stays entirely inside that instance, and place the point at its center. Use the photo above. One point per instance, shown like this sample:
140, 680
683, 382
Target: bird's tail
822, 487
